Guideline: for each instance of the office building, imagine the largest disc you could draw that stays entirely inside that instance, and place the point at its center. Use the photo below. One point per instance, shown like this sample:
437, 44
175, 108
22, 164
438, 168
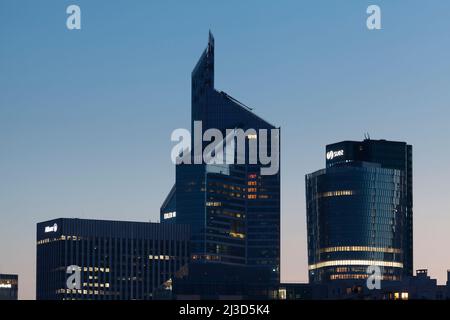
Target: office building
9, 286
108, 260
359, 212
233, 210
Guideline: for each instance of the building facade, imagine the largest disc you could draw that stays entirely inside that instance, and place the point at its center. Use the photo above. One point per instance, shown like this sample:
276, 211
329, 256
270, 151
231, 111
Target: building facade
233, 210
359, 212
9, 286
108, 260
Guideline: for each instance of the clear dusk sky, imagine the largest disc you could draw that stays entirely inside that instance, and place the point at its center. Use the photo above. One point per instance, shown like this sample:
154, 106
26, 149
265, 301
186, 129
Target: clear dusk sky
86, 115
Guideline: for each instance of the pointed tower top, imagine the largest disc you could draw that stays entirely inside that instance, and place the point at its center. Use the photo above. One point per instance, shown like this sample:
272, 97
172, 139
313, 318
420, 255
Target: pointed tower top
203, 73
210, 39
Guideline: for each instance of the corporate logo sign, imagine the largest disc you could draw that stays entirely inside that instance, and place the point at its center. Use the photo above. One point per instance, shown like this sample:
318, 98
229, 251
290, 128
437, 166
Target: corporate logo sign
334, 154
52, 228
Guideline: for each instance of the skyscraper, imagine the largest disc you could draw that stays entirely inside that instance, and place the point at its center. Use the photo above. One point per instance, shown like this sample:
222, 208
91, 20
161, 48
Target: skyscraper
233, 210
360, 213
116, 260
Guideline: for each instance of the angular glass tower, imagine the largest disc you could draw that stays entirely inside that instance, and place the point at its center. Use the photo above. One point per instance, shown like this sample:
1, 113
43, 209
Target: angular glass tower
359, 211
233, 210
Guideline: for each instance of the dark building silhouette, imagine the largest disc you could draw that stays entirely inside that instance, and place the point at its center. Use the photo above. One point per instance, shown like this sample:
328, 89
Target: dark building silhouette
9, 286
233, 210
359, 212
418, 287
117, 260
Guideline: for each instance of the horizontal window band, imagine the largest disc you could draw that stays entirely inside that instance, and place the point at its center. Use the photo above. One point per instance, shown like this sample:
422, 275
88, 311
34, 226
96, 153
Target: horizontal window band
333, 263
359, 248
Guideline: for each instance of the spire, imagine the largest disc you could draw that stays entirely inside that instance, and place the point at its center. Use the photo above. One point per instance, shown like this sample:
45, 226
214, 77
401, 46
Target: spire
203, 73
210, 39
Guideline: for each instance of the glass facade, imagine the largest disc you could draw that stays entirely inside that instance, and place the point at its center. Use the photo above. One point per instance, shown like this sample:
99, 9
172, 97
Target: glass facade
233, 210
116, 260
358, 212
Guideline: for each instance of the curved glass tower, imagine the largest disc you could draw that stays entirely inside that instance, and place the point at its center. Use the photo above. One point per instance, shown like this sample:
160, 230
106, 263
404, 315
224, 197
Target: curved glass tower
359, 212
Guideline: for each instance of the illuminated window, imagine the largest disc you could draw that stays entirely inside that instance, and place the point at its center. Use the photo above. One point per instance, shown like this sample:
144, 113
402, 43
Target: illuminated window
338, 193
348, 276
355, 263
237, 235
359, 248
282, 294
213, 204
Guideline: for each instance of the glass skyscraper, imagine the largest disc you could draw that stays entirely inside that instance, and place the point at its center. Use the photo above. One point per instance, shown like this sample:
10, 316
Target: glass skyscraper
359, 212
233, 210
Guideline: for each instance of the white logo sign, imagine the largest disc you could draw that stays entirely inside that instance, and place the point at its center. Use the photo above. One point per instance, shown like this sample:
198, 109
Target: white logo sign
170, 215
52, 228
333, 154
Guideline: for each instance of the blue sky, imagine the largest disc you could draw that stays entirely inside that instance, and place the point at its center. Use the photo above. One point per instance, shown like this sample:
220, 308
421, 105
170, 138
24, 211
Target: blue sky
86, 116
